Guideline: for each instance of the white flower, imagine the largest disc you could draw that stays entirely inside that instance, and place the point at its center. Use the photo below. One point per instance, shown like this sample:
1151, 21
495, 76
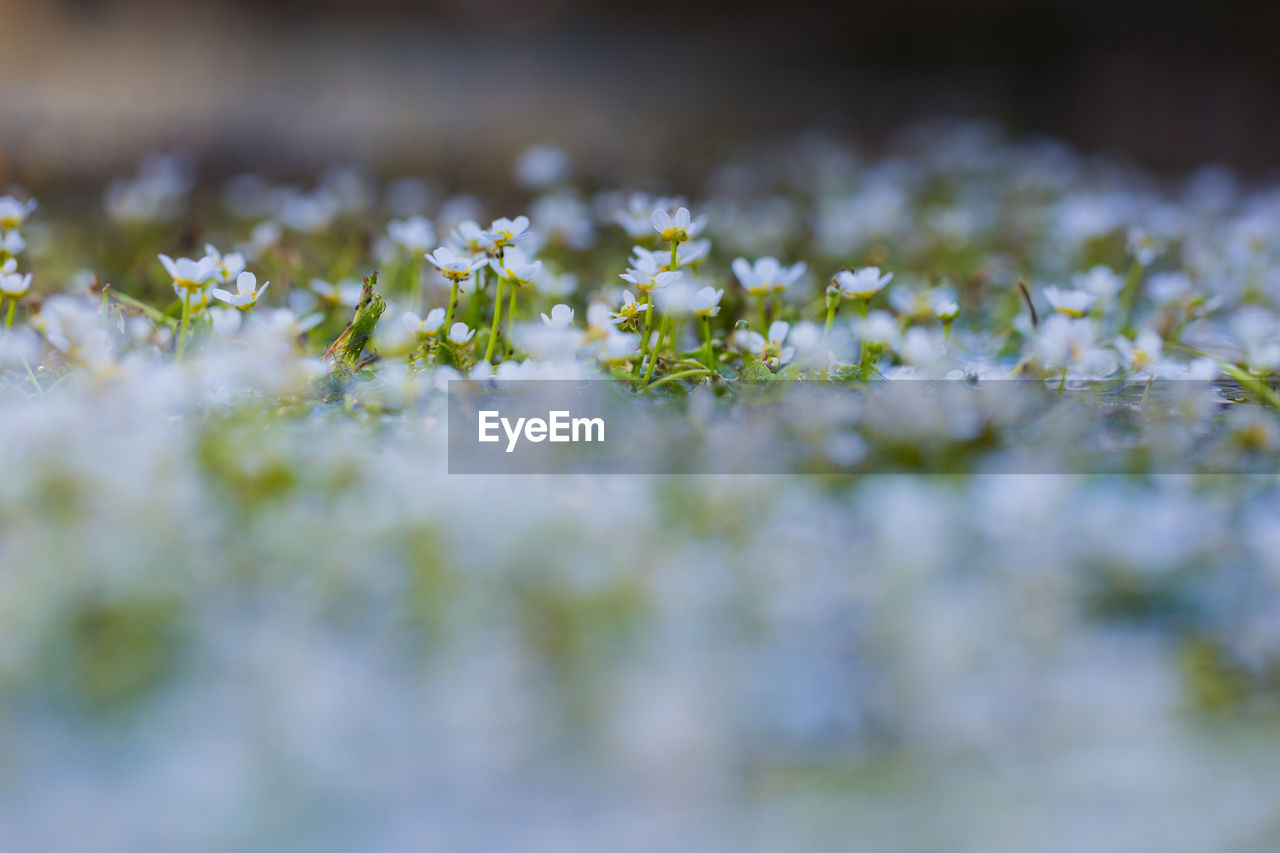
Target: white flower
460, 333
247, 292
515, 267
226, 321
878, 327
1144, 247
862, 284
12, 284
636, 216
453, 266
766, 275
686, 253
13, 212
506, 231
190, 274
1073, 303
774, 346
628, 311
430, 325
561, 317
618, 346
706, 302
12, 243
226, 267
470, 236
1068, 342
1100, 281
648, 279
414, 234
946, 310
1142, 355
677, 227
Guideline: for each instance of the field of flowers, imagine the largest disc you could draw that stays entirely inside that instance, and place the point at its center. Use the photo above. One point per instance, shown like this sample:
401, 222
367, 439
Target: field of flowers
244, 605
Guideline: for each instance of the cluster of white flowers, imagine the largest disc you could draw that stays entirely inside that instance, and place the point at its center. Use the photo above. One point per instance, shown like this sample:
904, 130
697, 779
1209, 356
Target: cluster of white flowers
225, 493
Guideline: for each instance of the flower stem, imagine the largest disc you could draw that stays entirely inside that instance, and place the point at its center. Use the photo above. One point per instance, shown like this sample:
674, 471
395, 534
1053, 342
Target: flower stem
674, 246
497, 317
185, 323
862, 338
511, 315
8, 317
670, 377
653, 356
477, 301
832, 305
706, 342
648, 320
453, 303
764, 320
1132, 283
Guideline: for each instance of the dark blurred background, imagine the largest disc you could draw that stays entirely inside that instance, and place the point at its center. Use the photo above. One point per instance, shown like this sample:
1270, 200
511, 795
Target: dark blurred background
88, 86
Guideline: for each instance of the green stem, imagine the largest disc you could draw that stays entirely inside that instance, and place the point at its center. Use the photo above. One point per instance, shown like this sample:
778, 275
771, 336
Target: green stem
1132, 283
648, 319
493, 329
477, 301
863, 304
764, 320
8, 317
831, 318
453, 303
706, 342
674, 246
653, 356
670, 377
184, 323
511, 316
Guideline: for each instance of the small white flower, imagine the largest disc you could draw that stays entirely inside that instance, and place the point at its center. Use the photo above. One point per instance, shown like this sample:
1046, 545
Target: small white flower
247, 292
226, 321
453, 266
1142, 354
12, 284
515, 267
190, 274
675, 228
470, 236
460, 333
13, 212
506, 231
706, 302
12, 243
862, 284
629, 310
1073, 303
1144, 247
946, 310
766, 275
618, 346
226, 267
561, 317
415, 234
648, 280
773, 347
1100, 281
430, 325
